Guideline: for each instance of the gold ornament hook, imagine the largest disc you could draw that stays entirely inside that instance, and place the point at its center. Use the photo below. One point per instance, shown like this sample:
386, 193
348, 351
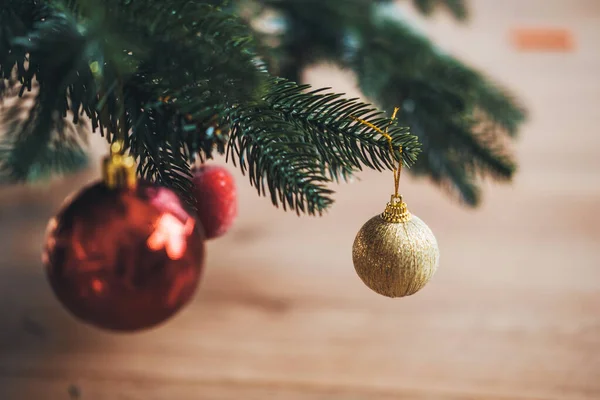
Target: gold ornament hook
397, 171
396, 210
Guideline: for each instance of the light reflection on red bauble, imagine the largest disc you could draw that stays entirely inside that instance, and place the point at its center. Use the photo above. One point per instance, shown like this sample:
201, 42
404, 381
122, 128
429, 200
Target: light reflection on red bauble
124, 259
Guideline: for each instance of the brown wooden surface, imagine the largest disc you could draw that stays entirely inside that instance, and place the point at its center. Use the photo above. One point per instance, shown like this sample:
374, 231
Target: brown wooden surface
513, 313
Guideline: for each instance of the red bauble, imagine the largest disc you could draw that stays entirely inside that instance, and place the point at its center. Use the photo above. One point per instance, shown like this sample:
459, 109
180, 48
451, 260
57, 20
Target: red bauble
216, 197
124, 259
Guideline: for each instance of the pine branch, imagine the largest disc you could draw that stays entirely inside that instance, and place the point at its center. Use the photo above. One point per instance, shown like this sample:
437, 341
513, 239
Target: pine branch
344, 147
273, 153
458, 8
457, 164
450, 173
188, 68
42, 144
182, 63
30, 154
19, 163
299, 140
481, 151
198, 56
315, 31
443, 102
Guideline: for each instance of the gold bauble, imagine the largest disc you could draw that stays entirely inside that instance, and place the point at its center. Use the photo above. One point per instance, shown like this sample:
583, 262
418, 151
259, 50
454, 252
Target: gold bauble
395, 253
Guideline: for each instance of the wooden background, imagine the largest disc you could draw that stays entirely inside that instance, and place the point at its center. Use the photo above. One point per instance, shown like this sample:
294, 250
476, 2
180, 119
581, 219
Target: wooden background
513, 313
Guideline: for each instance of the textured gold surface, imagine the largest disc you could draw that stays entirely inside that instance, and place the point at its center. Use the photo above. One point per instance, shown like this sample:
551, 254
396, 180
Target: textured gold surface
395, 259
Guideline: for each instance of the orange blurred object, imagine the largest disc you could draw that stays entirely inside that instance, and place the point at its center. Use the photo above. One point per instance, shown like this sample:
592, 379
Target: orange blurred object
543, 39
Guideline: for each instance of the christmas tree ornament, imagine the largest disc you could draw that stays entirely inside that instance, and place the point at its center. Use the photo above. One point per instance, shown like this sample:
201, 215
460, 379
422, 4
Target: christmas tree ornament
123, 255
395, 253
216, 198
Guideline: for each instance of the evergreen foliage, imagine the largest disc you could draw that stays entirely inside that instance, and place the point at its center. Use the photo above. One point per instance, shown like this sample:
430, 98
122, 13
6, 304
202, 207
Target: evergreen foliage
186, 78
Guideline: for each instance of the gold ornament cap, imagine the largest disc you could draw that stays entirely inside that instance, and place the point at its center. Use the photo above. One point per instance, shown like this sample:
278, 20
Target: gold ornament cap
118, 169
396, 211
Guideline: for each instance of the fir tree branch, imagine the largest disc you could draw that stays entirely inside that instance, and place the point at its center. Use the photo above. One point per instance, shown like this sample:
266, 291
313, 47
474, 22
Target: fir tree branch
458, 8
181, 63
272, 152
184, 62
30, 154
344, 147
19, 163
303, 139
450, 173
442, 98
29, 148
315, 31
443, 101
197, 56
